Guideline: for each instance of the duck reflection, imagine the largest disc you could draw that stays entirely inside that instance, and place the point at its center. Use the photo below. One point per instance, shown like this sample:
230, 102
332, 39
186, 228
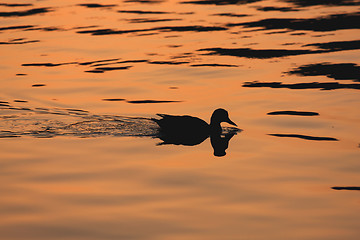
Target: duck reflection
190, 131
221, 142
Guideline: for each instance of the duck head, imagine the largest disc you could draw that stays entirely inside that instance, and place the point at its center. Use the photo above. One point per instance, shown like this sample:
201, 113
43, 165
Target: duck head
220, 115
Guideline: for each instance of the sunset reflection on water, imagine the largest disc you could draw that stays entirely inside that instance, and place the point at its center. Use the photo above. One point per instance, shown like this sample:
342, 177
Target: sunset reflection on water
80, 155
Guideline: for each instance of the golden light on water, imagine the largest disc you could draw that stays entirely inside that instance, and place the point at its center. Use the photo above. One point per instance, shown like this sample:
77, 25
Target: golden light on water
76, 164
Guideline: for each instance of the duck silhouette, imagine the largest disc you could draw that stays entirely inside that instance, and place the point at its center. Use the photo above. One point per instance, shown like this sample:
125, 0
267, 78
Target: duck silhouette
188, 130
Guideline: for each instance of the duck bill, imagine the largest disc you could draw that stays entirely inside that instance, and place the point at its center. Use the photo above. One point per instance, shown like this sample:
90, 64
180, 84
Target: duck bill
230, 122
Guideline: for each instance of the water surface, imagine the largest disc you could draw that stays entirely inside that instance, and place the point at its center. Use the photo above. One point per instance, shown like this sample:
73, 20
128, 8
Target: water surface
82, 159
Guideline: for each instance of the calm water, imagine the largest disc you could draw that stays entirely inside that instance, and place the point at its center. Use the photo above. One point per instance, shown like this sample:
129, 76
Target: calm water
81, 159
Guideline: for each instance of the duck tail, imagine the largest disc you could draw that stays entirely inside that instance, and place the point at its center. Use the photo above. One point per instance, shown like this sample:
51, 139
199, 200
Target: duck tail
163, 115
158, 121
155, 120
161, 143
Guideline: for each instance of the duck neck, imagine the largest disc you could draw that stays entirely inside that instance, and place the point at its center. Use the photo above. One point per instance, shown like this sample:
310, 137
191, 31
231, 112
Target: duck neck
215, 126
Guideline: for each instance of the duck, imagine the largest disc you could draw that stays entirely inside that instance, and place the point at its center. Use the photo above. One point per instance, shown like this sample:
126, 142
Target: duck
189, 130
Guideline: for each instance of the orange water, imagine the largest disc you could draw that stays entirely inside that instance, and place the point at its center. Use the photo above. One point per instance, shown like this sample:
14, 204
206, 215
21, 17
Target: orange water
109, 187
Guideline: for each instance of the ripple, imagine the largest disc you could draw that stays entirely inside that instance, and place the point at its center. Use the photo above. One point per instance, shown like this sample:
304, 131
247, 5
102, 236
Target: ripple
294, 113
106, 69
310, 3
230, 15
256, 53
220, 2
96, 5
152, 20
16, 4
213, 65
151, 101
312, 85
326, 47
280, 9
338, 71
16, 27
145, 1
346, 188
306, 137
30, 12
196, 28
18, 42
320, 24
143, 12
337, 46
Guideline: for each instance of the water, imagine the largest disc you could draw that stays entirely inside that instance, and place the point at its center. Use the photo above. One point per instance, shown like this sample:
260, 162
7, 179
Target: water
81, 158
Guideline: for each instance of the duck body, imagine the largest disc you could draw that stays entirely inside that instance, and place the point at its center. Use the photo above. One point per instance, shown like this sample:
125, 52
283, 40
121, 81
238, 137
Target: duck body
188, 130
182, 130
